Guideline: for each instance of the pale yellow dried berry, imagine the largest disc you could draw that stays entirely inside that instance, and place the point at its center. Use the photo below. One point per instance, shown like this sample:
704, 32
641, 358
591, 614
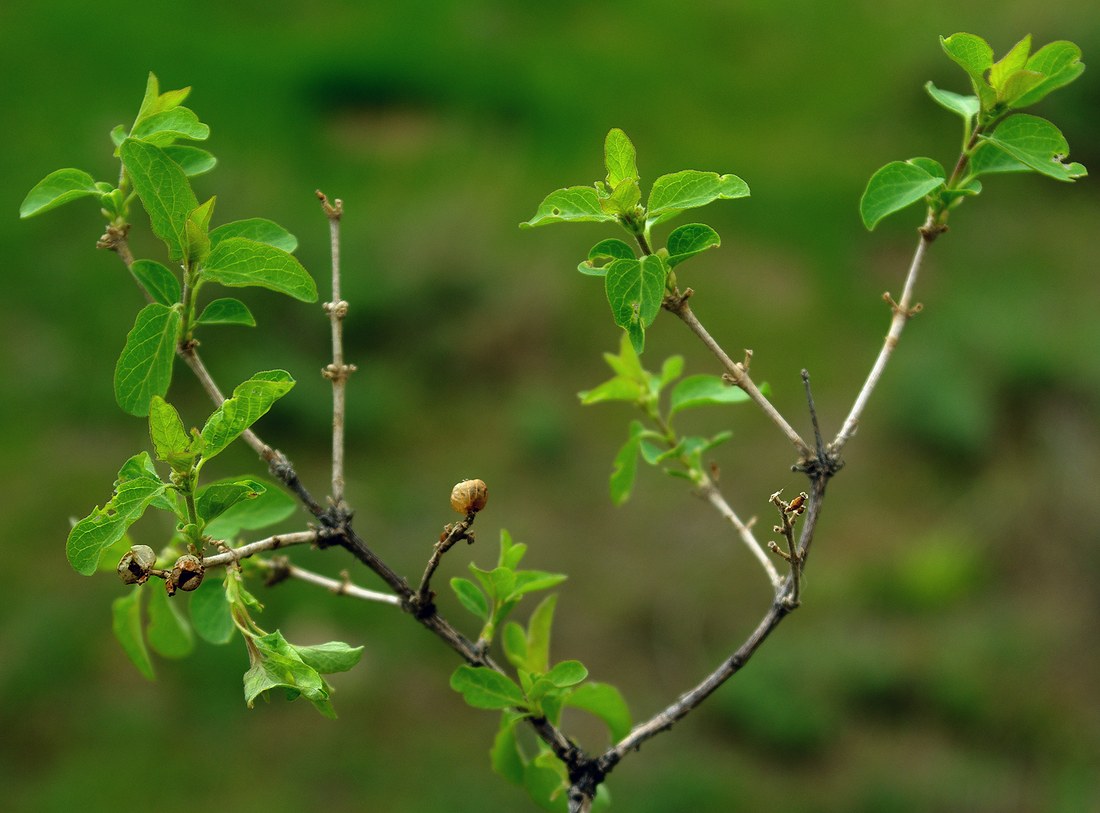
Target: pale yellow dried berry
469, 496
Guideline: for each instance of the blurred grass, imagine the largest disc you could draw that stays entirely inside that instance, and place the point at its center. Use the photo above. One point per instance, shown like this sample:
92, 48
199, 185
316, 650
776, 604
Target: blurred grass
945, 658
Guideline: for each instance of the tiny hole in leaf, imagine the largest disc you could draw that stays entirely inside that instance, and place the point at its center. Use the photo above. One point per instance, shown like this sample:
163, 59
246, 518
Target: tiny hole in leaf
555, 211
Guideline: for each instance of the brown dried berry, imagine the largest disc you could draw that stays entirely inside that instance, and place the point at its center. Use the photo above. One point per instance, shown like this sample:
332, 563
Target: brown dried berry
469, 496
135, 564
186, 574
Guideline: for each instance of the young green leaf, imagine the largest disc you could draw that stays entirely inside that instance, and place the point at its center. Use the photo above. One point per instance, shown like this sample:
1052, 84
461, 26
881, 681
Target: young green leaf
625, 466
687, 241
471, 597
275, 663
192, 160
215, 499
538, 634
158, 281
532, 581
1037, 143
126, 624
171, 442
566, 673
576, 204
893, 187
164, 191
615, 389
105, 526
515, 645
505, 755
620, 157
966, 106
511, 553
1059, 63
484, 688
144, 368
161, 129
258, 229
1009, 65
156, 102
988, 159
604, 701
238, 262
273, 505
689, 189
972, 53
210, 615
251, 400
56, 189
635, 289
701, 390
623, 200
196, 230
226, 311
168, 632
334, 656
602, 253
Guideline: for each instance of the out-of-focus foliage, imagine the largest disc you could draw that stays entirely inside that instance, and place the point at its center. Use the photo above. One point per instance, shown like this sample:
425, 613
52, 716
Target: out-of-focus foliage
945, 657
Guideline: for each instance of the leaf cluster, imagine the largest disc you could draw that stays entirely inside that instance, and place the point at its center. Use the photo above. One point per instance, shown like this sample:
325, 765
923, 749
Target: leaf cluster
656, 441
156, 169
636, 285
541, 688
996, 137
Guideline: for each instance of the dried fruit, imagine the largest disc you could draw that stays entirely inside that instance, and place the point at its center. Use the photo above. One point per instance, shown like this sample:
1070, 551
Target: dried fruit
186, 574
136, 563
469, 496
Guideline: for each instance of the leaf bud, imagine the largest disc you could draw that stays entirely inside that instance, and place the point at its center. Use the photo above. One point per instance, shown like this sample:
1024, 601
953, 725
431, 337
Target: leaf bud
469, 496
186, 574
136, 563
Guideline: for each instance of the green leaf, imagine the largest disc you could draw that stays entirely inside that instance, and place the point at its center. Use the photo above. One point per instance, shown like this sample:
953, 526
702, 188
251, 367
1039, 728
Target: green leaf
250, 401
105, 526
511, 553
701, 390
1059, 63
966, 106
471, 597
484, 688
1037, 143
165, 127
635, 290
196, 230
532, 581
192, 160
126, 624
545, 781
334, 656
623, 200
538, 634
56, 189
615, 389
171, 442
258, 229
625, 466
895, 186
687, 241
156, 102
215, 499
210, 615
602, 253
161, 283
515, 645
576, 204
690, 189
144, 368
505, 756
169, 633
273, 505
988, 159
671, 369
972, 53
164, 191
566, 673
620, 157
238, 262
275, 663
1010, 64
226, 311
604, 701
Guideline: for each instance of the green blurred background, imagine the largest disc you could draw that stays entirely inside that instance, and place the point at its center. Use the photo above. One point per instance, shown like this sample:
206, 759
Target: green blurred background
946, 655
